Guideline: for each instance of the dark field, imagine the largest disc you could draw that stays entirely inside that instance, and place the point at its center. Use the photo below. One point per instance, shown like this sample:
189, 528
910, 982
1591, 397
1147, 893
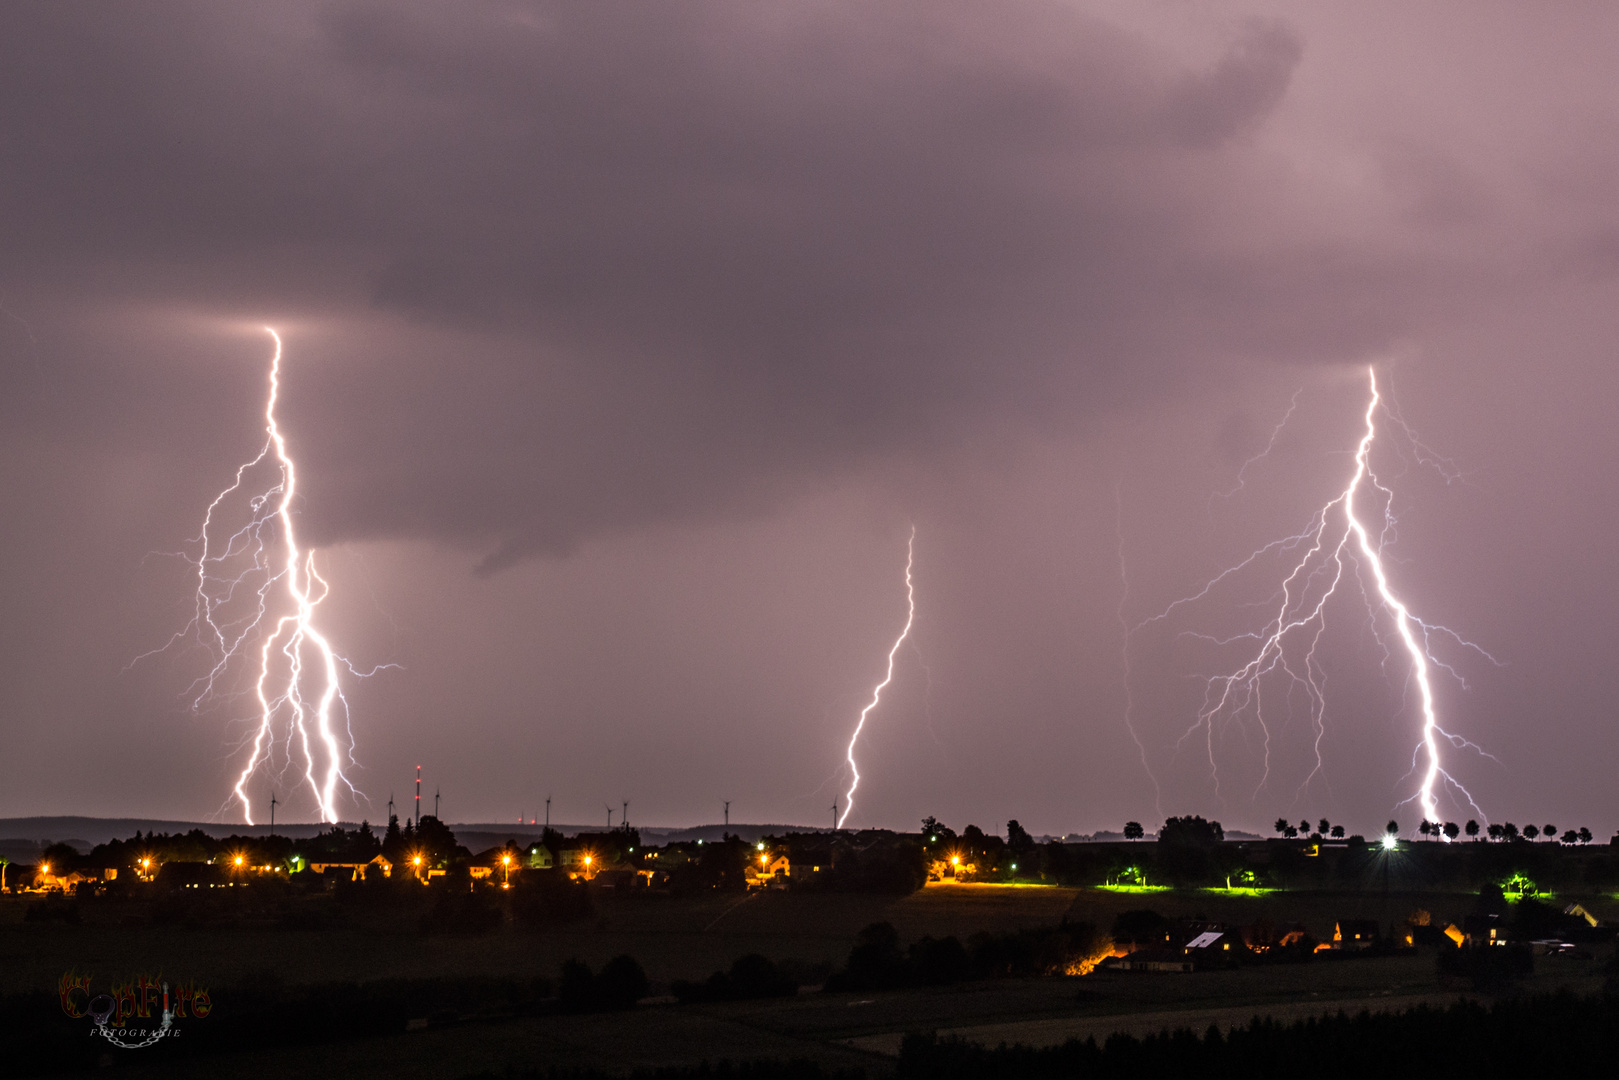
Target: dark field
688, 937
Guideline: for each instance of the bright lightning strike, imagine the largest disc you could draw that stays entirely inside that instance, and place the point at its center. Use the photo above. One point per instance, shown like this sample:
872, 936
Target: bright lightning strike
888, 677
1287, 643
242, 577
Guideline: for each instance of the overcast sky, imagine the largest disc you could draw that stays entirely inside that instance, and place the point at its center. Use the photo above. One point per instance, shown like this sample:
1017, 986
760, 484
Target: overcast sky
626, 344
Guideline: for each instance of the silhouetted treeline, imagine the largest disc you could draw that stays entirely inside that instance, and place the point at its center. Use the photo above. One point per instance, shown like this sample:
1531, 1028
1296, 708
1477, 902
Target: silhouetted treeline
878, 963
1560, 1035
752, 977
619, 985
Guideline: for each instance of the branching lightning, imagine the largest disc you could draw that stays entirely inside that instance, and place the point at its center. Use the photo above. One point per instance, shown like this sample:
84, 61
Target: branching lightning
888, 677
1319, 558
243, 577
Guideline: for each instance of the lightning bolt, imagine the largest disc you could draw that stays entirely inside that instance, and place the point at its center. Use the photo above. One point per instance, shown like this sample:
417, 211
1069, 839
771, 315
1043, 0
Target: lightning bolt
1124, 652
1335, 536
240, 579
888, 677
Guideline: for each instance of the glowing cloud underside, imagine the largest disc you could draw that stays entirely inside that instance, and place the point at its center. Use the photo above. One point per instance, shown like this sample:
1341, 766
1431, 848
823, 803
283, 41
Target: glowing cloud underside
888, 677
1287, 644
242, 578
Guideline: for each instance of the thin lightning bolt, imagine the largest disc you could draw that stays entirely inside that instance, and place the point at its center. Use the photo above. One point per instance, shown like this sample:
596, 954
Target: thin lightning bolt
304, 684
1336, 535
1124, 652
877, 693
1242, 473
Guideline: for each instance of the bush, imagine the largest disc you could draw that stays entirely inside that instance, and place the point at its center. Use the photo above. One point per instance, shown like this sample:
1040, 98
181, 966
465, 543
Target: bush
475, 911
548, 898
620, 985
752, 977
1487, 966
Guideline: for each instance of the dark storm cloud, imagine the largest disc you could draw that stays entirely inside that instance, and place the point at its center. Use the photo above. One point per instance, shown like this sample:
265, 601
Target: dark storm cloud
717, 299
746, 243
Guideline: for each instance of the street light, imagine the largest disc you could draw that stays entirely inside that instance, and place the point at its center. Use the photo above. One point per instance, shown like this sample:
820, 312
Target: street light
506, 861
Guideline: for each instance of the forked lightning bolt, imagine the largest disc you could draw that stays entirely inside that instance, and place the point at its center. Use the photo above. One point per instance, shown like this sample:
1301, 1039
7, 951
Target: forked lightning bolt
888, 677
257, 569
1337, 534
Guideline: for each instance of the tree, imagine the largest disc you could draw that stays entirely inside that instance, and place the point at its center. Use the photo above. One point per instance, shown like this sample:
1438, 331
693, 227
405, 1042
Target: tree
1324, 827
1571, 837
1290, 831
1016, 837
1133, 830
1393, 828
1495, 832
1531, 832
1585, 835
1304, 827
1549, 831
1337, 832
1282, 825
1453, 830
61, 858
1186, 846
1509, 831
393, 841
1472, 829
1424, 828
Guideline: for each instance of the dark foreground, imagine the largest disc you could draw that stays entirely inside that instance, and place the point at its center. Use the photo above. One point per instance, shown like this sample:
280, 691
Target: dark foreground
372, 998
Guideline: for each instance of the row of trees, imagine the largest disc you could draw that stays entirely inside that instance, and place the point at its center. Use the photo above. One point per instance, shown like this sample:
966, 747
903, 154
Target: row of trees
1505, 831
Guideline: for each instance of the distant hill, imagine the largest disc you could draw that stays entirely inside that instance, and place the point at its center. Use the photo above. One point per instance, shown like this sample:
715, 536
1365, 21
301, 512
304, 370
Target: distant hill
21, 839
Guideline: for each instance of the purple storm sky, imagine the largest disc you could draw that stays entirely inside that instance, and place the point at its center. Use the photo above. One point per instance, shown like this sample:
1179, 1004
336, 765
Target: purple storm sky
627, 342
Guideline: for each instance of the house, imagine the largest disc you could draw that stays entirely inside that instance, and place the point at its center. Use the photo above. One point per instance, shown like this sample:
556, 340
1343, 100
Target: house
47, 881
622, 876
192, 875
1212, 948
496, 863
579, 863
1158, 960
357, 871
767, 874
1579, 912
1484, 930
539, 857
1355, 934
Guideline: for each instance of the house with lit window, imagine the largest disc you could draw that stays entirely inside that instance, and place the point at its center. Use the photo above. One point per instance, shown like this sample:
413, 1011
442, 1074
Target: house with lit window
1355, 934
765, 872
357, 871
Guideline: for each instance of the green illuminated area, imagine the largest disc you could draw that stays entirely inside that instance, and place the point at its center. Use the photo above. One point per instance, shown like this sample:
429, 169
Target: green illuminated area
1133, 880
1518, 886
